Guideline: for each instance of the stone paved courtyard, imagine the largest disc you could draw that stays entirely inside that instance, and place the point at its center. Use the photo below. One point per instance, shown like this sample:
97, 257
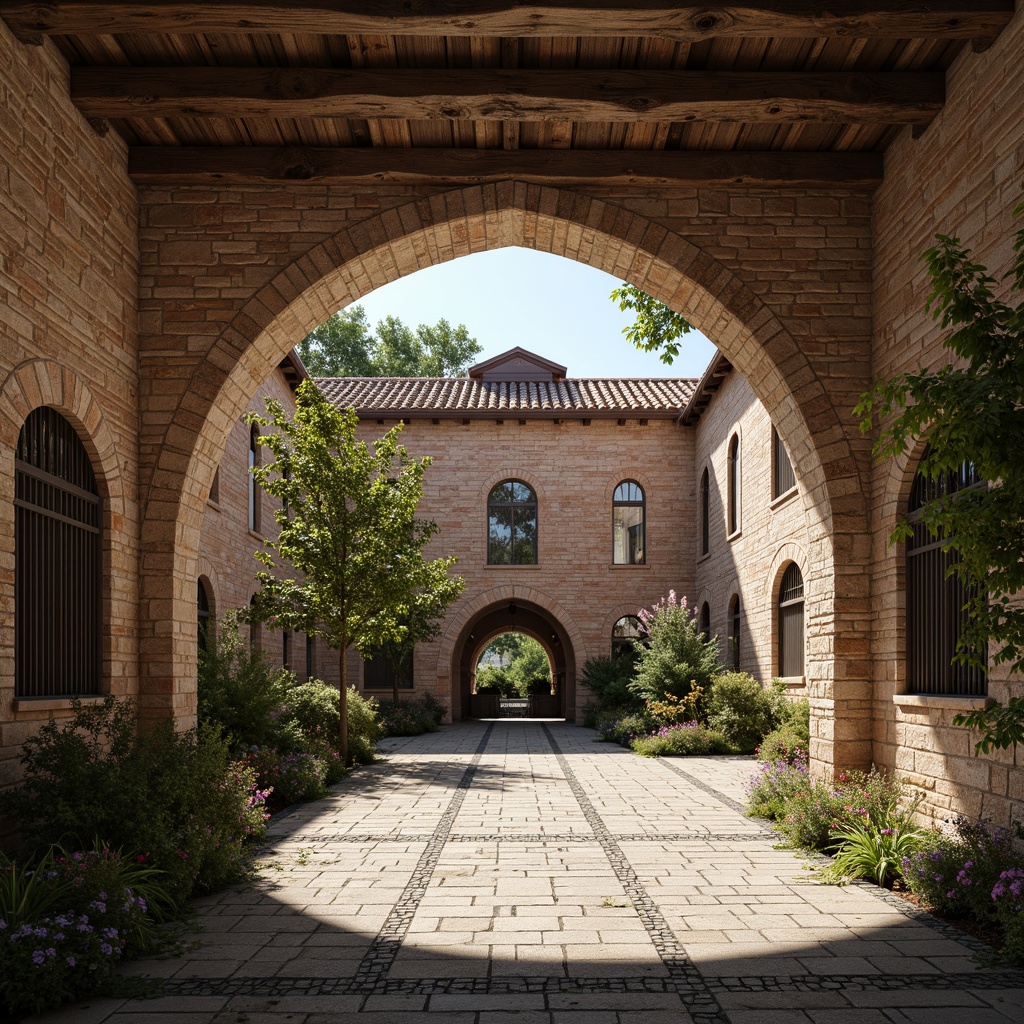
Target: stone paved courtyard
520, 872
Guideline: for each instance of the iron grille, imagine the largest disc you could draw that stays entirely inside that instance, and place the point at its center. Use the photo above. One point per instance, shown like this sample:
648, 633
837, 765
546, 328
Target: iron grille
935, 599
784, 478
57, 565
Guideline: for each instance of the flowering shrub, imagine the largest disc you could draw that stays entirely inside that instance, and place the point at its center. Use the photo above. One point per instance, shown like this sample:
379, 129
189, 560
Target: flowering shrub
813, 813
411, 717
100, 908
742, 709
671, 710
774, 785
675, 655
784, 744
1008, 900
625, 730
286, 778
688, 739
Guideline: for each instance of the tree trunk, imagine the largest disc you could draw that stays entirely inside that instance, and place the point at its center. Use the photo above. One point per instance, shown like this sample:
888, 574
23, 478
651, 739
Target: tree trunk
343, 686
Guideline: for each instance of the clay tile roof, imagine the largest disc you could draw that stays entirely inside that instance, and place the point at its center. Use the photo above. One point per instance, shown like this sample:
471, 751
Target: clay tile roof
411, 397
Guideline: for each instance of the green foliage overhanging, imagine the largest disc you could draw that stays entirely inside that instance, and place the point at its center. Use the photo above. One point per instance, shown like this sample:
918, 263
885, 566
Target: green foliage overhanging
348, 526
971, 412
345, 346
656, 328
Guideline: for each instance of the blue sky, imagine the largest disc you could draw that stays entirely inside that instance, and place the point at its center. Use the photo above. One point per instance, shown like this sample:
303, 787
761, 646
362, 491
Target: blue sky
549, 304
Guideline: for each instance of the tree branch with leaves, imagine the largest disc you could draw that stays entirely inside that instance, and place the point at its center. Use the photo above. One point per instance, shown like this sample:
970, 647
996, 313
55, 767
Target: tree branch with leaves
656, 327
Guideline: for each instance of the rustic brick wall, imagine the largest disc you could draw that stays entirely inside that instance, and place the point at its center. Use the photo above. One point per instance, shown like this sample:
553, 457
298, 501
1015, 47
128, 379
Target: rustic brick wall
231, 279
573, 468
772, 533
963, 177
68, 339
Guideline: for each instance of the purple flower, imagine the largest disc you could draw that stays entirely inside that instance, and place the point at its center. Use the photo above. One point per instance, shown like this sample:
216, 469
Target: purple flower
38, 957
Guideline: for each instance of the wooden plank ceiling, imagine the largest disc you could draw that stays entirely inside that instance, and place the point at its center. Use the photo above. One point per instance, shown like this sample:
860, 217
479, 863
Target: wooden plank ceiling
454, 91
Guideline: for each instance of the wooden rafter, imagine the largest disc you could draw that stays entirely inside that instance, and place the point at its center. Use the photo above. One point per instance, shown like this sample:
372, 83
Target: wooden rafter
265, 165
495, 94
685, 22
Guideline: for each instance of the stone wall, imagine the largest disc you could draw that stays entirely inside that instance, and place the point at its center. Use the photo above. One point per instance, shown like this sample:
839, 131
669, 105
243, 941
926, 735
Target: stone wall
773, 531
962, 177
68, 339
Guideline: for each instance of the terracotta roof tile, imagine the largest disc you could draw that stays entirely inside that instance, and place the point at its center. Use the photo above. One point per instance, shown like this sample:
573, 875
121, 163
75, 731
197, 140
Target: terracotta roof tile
435, 396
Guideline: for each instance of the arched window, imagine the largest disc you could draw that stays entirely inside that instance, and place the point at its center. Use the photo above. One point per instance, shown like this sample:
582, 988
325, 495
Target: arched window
705, 513
783, 477
310, 657
705, 620
512, 524
734, 633
734, 484
254, 490
203, 616
791, 622
628, 530
57, 561
624, 632
254, 630
935, 616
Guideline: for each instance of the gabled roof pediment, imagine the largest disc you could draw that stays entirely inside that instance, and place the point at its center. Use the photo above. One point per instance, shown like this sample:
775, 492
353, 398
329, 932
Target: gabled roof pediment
518, 364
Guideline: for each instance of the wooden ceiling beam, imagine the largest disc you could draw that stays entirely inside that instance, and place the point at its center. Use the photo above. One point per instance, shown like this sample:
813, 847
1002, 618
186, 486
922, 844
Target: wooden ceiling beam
684, 22
254, 165
509, 95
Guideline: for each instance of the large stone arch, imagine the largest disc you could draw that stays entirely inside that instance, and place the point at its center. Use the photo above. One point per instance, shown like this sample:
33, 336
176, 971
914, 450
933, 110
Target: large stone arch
345, 265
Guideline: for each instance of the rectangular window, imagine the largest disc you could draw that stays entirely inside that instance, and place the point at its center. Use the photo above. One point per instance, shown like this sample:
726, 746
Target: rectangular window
783, 477
379, 675
628, 533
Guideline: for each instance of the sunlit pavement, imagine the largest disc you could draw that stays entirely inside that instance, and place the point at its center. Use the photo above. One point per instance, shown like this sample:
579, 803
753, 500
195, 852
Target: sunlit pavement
518, 871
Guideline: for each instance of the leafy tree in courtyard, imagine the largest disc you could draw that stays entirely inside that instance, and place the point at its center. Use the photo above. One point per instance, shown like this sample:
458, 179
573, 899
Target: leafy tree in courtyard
656, 328
345, 346
971, 412
348, 526
522, 662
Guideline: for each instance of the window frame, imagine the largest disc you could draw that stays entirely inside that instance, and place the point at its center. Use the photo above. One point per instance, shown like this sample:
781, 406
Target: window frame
783, 470
255, 510
631, 503
705, 512
786, 618
735, 626
512, 506
378, 664
622, 642
733, 521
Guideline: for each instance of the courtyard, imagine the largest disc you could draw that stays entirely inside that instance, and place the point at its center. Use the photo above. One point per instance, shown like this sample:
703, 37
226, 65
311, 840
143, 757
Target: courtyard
519, 871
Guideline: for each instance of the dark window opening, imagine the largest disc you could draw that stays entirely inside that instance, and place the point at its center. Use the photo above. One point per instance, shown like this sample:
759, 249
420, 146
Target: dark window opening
57, 561
625, 631
734, 633
629, 514
935, 600
791, 622
203, 616
734, 484
705, 514
215, 487
254, 629
705, 620
512, 524
783, 476
254, 490
379, 673
286, 649
310, 657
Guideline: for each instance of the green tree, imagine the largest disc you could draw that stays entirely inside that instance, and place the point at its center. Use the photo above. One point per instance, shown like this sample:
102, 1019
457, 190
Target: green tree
345, 346
656, 328
971, 412
522, 662
348, 527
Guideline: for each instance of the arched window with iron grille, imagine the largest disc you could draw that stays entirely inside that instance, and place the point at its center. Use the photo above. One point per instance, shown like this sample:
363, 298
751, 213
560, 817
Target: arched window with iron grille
734, 485
57, 561
512, 524
935, 600
734, 632
629, 514
791, 622
705, 513
624, 632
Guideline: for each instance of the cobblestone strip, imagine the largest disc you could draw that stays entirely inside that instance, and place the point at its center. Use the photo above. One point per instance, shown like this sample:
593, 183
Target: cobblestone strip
381, 955
904, 907
700, 1003
843, 983
530, 837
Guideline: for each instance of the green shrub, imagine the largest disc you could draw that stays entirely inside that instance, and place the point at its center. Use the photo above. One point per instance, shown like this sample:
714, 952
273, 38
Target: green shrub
287, 778
774, 785
412, 717
240, 693
314, 710
608, 680
688, 740
364, 727
811, 815
67, 920
742, 709
784, 744
171, 797
675, 654
626, 729
866, 851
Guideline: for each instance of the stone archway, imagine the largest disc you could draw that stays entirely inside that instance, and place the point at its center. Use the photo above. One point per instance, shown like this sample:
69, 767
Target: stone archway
181, 448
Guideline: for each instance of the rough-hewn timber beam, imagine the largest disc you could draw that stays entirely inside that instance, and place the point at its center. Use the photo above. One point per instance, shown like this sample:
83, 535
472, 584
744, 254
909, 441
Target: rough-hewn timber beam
891, 97
373, 166
685, 21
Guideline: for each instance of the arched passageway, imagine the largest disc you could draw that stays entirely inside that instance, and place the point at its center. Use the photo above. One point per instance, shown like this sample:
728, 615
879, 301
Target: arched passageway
517, 616
318, 273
